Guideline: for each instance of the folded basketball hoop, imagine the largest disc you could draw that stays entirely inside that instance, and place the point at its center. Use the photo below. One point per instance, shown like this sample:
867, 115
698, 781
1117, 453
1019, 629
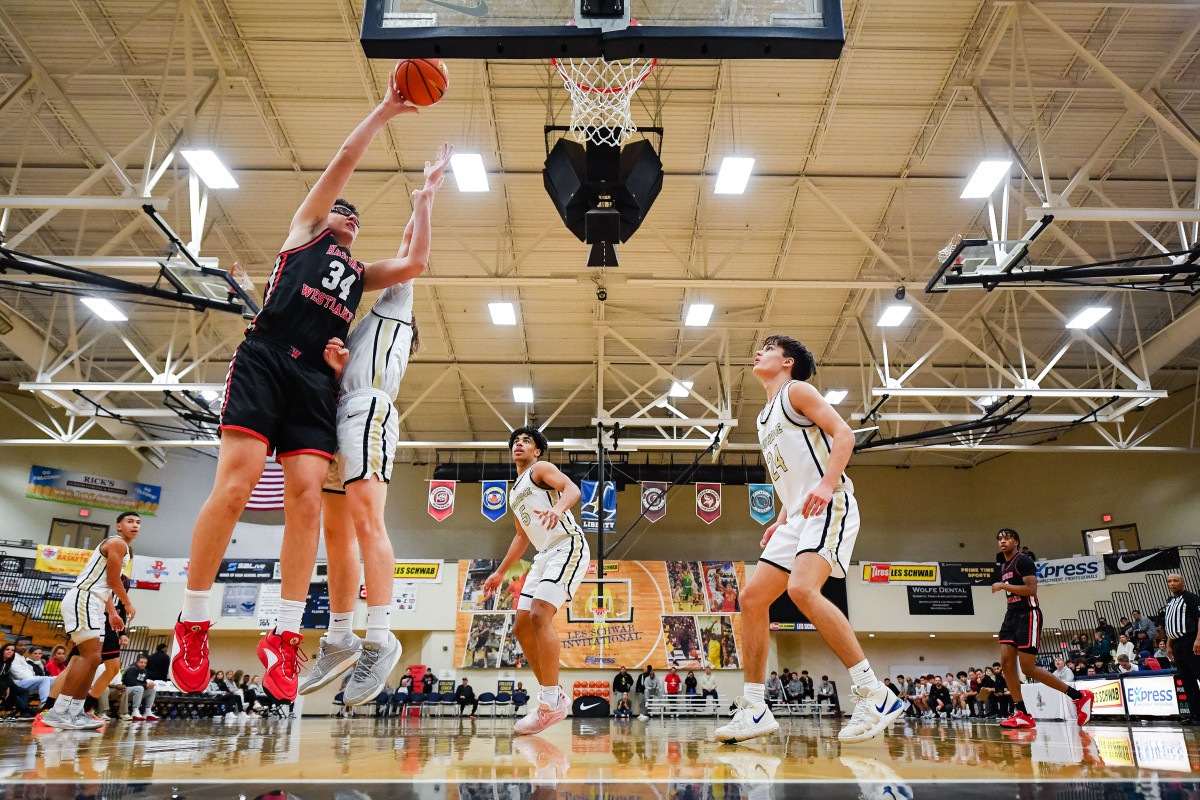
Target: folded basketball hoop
601, 92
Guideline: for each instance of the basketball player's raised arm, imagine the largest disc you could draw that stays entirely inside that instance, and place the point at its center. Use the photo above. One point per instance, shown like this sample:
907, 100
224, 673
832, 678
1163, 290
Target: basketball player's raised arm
546, 474
413, 257
809, 402
310, 217
520, 544
114, 550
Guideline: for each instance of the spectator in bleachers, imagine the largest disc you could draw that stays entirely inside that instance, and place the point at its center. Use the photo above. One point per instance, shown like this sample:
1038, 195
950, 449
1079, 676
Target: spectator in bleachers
1160, 650
1124, 627
1125, 648
10, 695
520, 697
988, 681
383, 700
35, 659
23, 674
639, 692
622, 683
1004, 701
1062, 671
940, 702
623, 708
57, 662
465, 696
1091, 671
652, 688
1125, 665
920, 696
1142, 642
774, 689
708, 687
1101, 648
807, 682
672, 682
427, 681
689, 683
826, 693
139, 691
1142, 624
957, 694
158, 664
231, 700
795, 689
1109, 631
1028, 552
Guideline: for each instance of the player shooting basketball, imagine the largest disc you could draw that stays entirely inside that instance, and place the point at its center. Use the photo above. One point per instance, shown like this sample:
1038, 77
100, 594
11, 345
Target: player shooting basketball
558, 569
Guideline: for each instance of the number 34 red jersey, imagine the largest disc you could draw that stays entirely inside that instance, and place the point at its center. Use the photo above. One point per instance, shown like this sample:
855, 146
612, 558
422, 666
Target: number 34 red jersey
311, 297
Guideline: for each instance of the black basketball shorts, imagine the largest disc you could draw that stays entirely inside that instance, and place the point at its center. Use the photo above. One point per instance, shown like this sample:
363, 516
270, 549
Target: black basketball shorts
285, 401
1022, 628
109, 650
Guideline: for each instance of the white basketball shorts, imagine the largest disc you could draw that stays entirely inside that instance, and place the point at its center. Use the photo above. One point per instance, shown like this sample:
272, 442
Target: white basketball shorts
556, 573
83, 615
830, 535
367, 433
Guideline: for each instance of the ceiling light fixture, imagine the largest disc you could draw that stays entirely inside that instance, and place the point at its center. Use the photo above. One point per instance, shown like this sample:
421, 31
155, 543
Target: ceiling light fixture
1088, 317
469, 173
103, 309
985, 180
734, 175
835, 396
698, 315
893, 315
503, 313
523, 394
680, 388
209, 167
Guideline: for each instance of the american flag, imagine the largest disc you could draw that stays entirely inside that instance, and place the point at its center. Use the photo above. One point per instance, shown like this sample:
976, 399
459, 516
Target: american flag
268, 493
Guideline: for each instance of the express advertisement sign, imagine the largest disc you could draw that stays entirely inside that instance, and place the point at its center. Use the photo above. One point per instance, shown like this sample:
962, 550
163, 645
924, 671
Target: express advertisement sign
1070, 570
1151, 696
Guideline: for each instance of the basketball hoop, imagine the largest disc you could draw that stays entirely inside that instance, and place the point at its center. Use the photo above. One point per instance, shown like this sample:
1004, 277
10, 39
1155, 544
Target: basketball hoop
948, 250
601, 93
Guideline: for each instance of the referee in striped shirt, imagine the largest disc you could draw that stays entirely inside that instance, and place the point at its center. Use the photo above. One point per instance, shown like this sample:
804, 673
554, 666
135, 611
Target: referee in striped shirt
1181, 616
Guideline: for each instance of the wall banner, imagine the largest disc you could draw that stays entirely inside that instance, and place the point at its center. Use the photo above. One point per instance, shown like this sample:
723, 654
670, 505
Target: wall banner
494, 499
240, 570
1070, 570
654, 500
1142, 560
441, 499
159, 570
268, 604
762, 502
61, 560
921, 574
968, 573
94, 491
940, 601
419, 570
589, 514
239, 600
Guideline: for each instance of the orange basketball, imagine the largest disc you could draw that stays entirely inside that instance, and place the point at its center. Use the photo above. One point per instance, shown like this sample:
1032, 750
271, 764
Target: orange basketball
421, 81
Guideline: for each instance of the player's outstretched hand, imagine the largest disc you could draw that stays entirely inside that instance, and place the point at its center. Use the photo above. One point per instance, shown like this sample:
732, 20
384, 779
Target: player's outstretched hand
770, 532
817, 501
492, 584
549, 517
336, 355
394, 104
435, 173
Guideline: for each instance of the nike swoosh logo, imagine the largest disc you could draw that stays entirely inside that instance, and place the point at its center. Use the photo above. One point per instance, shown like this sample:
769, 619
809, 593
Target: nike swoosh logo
272, 659
480, 9
880, 708
585, 708
758, 719
1123, 564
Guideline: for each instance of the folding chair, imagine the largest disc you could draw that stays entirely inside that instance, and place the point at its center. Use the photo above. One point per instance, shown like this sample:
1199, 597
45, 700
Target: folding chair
488, 699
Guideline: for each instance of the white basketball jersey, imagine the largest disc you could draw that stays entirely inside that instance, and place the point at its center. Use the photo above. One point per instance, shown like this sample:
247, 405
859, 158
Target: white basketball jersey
94, 577
379, 345
796, 450
526, 497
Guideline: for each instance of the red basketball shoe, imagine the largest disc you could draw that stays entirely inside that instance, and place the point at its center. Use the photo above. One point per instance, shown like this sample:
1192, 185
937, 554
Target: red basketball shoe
1019, 719
1083, 706
281, 656
189, 656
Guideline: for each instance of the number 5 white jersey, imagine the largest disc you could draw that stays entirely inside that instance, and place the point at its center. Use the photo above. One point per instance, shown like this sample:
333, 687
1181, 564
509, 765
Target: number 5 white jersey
796, 451
524, 498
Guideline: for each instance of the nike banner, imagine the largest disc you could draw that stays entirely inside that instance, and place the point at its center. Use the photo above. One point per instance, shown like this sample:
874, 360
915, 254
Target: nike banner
495, 499
708, 501
654, 500
590, 707
762, 502
1142, 560
441, 499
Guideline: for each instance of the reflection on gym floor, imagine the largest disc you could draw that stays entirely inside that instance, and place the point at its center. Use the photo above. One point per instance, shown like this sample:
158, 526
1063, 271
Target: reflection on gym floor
913, 758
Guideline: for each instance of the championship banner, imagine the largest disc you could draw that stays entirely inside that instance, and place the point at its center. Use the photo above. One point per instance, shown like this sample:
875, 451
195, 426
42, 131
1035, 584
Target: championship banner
61, 486
441, 499
921, 574
260, 570
654, 500
422, 570
61, 560
588, 514
494, 504
762, 502
708, 502
159, 570
1142, 560
1070, 570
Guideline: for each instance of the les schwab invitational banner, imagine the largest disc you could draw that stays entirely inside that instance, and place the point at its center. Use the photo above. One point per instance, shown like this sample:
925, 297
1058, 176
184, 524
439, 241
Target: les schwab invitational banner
686, 614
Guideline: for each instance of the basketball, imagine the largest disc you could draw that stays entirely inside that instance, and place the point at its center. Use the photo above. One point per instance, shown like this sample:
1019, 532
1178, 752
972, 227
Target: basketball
421, 81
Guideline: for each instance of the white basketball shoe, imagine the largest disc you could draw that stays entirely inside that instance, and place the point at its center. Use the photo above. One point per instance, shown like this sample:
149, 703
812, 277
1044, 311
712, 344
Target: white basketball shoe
750, 721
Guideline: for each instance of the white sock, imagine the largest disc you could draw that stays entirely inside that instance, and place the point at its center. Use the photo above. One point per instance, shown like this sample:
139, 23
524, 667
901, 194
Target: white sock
75, 707
63, 704
195, 606
339, 626
864, 677
753, 692
377, 623
290, 614
549, 695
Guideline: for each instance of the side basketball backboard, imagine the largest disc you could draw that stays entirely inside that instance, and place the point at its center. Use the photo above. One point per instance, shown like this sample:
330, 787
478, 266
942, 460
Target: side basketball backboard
523, 29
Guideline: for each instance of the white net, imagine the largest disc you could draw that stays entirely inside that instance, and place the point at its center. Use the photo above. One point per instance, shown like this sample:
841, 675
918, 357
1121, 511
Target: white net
601, 93
945, 252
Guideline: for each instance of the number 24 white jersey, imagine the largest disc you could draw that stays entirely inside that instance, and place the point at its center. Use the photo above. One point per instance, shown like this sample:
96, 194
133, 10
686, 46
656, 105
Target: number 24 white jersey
796, 451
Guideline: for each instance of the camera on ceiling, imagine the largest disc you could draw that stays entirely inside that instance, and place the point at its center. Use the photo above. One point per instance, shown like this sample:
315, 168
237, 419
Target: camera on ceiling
601, 294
